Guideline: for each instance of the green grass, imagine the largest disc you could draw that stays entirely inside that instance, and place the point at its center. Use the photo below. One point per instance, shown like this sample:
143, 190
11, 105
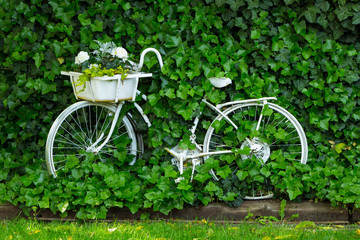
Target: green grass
32, 229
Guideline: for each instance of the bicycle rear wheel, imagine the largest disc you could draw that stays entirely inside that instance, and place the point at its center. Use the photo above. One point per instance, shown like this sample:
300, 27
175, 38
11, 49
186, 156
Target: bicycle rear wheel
264, 132
86, 124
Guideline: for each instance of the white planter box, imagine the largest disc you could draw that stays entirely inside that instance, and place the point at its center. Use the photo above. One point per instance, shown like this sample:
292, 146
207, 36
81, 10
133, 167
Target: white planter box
107, 89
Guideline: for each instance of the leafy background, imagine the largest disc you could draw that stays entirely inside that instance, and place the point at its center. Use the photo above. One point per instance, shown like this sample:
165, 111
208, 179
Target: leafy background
305, 53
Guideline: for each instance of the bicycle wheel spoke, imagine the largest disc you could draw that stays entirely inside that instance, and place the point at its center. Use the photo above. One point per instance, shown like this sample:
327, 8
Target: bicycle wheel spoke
69, 141
86, 124
77, 122
73, 136
76, 132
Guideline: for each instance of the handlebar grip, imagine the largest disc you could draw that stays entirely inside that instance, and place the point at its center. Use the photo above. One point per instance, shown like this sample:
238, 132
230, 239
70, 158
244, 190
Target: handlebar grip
142, 56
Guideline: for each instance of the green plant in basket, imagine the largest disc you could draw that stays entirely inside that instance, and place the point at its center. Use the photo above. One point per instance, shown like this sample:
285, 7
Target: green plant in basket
107, 60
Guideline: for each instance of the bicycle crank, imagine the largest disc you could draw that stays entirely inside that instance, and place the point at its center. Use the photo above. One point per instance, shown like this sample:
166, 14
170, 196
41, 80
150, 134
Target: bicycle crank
183, 158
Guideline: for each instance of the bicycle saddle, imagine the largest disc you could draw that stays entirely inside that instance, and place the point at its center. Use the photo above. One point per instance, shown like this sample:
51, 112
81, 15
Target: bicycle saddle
220, 82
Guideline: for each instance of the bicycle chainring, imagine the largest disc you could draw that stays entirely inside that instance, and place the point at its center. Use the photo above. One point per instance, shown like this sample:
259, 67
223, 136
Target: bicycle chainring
185, 152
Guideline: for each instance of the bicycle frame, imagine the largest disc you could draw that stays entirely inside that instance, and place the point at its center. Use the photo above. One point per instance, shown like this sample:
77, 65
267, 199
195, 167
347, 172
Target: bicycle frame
216, 108
183, 155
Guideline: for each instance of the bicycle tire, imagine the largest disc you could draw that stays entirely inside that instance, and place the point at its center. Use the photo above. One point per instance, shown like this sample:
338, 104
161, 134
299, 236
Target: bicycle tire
80, 126
278, 130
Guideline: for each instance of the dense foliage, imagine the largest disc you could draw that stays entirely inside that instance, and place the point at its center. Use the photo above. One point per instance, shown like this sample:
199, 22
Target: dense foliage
305, 53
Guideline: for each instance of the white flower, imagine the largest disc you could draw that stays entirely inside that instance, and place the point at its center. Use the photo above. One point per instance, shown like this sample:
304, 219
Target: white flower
81, 57
93, 66
120, 53
220, 82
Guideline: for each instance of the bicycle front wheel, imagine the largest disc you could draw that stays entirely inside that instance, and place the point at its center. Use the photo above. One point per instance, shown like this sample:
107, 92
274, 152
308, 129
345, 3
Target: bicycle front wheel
256, 133
83, 126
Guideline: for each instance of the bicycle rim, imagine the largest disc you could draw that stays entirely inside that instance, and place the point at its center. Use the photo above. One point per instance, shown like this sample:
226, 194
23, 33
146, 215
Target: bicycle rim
85, 124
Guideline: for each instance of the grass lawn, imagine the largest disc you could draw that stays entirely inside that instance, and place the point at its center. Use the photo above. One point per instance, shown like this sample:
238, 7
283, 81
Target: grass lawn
161, 230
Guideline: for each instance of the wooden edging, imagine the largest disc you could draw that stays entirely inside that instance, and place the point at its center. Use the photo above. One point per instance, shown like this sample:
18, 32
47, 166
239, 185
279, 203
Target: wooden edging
319, 212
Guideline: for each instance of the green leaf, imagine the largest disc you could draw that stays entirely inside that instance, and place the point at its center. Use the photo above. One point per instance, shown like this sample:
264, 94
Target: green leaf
224, 171
119, 26
342, 12
172, 41
97, 26
264, 171
299, 26
202, 177
186, 112
243, 66
189, 197
288, 2
21, 7
63, 10
115, 181
293, 193
230, 196
307, 52
235, 4
253, 171
356, 18
255, 34
323, 21
239, 22
219, 3
277, 45
351, 51
184, 185
71, 161
310, 14
169, 172
323, 5
242, 174
211, 187
170, 93
153, 99
205, 199
38, 59
355, 189
305, 224
267, 111
102, 169
77, 173
63, 206
83, 19
91, 198
328, 45
86, 36
339, 147
125, 5
310, 36
324, 122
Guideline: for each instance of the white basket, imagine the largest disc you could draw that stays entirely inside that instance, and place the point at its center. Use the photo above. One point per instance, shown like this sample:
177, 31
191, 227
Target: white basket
107, 89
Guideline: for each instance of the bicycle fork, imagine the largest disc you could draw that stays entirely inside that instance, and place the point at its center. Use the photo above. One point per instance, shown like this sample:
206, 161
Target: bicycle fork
93, 147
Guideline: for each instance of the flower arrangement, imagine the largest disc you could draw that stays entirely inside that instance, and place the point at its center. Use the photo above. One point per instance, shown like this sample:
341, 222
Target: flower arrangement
107, 60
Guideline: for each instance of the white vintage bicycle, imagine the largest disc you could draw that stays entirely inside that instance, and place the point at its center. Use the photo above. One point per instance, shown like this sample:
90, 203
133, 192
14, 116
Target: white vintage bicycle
249, 129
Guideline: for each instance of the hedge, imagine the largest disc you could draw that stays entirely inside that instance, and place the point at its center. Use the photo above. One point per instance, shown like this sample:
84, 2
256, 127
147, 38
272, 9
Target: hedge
305, 53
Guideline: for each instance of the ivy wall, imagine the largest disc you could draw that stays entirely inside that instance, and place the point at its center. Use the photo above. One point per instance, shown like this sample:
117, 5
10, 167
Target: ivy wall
305, 53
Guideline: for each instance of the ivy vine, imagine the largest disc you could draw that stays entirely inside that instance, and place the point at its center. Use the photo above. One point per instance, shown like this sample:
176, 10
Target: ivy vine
305, 53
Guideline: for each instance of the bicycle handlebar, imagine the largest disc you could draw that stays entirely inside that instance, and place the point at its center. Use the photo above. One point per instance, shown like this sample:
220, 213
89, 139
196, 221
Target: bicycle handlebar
142, 56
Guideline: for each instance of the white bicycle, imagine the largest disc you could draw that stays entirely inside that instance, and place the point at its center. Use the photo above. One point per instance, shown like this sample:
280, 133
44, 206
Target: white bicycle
252, 129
